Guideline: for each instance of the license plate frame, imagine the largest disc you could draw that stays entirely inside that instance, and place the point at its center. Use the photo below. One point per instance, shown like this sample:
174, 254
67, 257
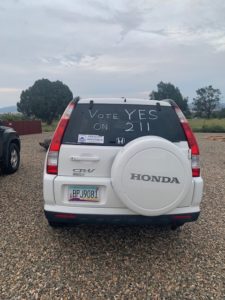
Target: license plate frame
83, 193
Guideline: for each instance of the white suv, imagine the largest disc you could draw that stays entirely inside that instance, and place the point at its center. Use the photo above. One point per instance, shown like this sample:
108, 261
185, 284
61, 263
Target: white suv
122, 161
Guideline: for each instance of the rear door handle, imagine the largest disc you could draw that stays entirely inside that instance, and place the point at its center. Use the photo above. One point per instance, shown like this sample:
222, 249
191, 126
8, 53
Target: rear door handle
84, 158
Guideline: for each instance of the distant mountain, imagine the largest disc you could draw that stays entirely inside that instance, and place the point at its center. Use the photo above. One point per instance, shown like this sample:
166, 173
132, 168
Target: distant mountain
8, 109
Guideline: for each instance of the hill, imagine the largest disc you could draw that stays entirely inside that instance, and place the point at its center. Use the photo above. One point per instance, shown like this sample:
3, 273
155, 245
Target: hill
8, 109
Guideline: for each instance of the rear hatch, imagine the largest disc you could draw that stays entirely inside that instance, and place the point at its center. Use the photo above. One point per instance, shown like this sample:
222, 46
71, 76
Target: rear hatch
96, 132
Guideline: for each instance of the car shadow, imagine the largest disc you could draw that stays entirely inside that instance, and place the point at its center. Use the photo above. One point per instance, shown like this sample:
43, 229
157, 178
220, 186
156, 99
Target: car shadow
123, 240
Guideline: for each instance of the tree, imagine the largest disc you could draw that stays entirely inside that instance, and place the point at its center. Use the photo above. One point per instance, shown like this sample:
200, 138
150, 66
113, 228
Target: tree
24, 106
221, 113
45, 100
169, 91
206, 101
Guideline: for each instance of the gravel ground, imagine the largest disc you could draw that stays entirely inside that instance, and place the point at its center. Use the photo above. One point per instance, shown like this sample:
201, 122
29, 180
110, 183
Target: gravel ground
110, 262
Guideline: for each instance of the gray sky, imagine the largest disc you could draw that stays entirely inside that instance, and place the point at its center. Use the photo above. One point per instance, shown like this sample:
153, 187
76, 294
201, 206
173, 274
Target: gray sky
111, 48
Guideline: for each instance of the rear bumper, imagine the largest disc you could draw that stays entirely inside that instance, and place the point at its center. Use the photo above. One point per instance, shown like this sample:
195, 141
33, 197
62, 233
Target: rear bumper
74, 218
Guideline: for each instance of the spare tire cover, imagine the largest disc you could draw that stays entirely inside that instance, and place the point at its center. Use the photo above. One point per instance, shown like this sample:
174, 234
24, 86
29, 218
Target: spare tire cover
151, 175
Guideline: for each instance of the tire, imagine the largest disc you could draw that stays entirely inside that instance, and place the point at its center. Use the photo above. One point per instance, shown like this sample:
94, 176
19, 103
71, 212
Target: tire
54, 224
12, 159
176, 226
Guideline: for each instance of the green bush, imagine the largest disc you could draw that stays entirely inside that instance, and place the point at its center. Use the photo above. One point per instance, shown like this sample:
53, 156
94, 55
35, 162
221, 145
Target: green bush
12, 117
49, 128
206, 128
207, 125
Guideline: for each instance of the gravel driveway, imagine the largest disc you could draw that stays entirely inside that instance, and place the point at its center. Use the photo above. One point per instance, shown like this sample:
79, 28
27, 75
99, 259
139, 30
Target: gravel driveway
109, 262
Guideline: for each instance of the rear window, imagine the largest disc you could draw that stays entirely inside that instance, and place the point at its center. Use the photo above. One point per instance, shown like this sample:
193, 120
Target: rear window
118, 124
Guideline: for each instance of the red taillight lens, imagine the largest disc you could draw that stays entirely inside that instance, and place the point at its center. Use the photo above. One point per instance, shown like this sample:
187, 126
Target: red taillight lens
52, 159
58, 135
190, 138
196, 172
192, 143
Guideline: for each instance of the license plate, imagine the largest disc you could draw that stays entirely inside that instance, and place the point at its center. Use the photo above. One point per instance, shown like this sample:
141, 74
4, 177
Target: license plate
83, 193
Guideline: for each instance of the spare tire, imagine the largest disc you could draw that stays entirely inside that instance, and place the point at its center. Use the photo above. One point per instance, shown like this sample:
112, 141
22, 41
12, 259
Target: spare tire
151, 175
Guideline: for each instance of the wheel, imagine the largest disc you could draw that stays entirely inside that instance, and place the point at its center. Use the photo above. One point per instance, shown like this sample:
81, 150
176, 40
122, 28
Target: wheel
54, 224
176, 226
12, 159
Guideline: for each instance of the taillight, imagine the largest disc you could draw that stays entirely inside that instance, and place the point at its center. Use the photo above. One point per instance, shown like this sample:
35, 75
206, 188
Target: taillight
52, 162
192, 143
53, 154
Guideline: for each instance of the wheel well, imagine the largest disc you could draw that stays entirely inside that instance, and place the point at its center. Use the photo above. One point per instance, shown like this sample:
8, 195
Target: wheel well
15, 142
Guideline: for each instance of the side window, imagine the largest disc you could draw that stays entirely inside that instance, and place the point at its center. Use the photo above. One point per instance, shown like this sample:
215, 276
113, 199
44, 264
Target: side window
118, 124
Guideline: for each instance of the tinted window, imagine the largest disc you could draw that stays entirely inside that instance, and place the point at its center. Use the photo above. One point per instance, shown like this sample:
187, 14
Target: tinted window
118, 124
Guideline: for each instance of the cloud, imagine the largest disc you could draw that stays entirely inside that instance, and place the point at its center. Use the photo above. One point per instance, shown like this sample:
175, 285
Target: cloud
112, 47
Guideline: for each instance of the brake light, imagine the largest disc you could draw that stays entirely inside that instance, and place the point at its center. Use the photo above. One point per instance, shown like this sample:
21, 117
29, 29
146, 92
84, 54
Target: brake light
53, 154
192, 143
